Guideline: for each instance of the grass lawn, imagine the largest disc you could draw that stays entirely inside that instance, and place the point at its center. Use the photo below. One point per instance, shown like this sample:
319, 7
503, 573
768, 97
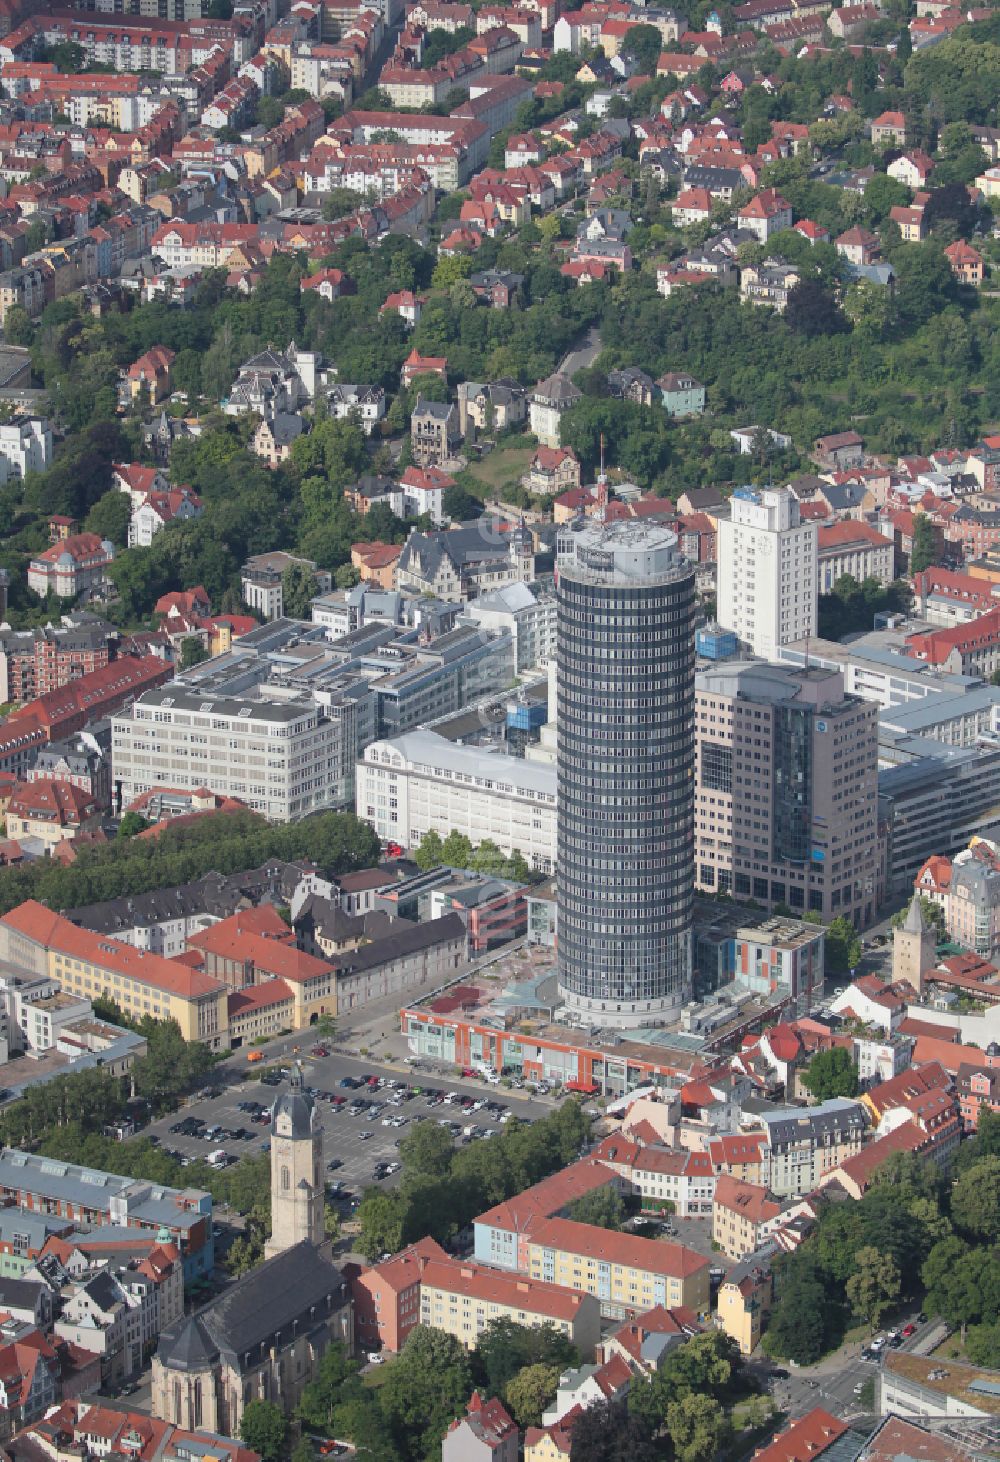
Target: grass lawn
952, 1348
500, 467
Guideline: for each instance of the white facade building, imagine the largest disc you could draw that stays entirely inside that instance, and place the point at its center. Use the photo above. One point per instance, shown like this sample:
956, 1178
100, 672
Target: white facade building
528, 617
25, 446
420, 781
281, 757
767, 571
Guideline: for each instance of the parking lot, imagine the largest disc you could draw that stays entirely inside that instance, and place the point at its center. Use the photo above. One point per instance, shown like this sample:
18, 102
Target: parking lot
362, 1125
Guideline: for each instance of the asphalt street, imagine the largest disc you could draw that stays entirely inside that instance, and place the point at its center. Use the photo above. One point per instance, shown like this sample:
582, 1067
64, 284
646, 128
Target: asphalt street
833, 1382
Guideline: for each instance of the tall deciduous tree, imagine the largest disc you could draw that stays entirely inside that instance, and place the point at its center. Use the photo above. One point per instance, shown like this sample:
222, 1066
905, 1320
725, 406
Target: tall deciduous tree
975, 1201
874, 1285
831, 1074
264, 1429
425, 1389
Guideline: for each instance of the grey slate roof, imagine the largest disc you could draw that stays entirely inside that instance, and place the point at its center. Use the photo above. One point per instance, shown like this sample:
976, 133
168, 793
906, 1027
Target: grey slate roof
425, 552
299, 1286
19, 1294
215, 894
406, 941
297, 1105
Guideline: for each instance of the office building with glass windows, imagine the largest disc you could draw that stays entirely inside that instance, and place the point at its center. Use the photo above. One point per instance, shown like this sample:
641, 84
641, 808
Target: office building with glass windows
625, 771
787, 789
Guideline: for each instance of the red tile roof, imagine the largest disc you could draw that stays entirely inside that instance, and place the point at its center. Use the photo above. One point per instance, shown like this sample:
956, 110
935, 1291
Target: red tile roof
258, 997
656, 1257
749, 1200
39, 924
54, 801
805, 1439
492, 1286
845, 534
862, 1166
522, 1213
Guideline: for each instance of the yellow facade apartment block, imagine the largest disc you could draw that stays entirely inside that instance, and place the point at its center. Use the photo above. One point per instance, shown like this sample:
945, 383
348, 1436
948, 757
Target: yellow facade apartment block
34, 939
624, 1273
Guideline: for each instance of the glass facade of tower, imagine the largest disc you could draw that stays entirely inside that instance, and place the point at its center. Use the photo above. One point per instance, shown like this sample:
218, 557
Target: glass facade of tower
625, 705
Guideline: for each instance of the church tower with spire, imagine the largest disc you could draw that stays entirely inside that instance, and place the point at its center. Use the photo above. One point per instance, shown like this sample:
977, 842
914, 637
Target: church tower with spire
297, 1195
914, 947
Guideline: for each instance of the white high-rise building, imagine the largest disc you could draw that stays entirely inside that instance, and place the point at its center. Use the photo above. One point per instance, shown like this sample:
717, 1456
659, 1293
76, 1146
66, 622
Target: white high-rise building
768, 575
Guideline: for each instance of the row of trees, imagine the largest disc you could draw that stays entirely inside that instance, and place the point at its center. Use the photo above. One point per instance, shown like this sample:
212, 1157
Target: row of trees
337, 842
457, 851
850, 607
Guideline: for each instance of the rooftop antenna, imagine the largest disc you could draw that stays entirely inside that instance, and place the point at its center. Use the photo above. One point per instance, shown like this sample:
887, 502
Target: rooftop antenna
602, 489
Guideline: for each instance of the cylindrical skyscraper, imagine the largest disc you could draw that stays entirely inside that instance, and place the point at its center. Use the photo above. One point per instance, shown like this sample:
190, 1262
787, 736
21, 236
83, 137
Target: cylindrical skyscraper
625, 718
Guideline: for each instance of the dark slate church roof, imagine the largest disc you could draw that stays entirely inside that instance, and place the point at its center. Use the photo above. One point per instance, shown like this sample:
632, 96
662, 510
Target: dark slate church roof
295, 1293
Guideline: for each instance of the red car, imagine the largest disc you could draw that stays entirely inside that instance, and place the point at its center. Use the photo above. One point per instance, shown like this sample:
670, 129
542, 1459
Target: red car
909, 1330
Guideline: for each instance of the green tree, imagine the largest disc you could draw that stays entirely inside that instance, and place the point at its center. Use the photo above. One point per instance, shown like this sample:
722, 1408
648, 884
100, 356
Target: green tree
610, 1432
975, 1200
601, 1208
831, 1074
193, 652
924, 550
131, 825
109, 517
982, 1345
874, 1285
381, 1217
428, 854
531, 1392
450, 268
18, 328
801, 1321
427, 1149
298, 589
460, 506
425, 1389
506, 1349
347, 576
456, 851
704, 1366
67, 56
644, 44
264, 1429
883, 194
697, 1428
812, 310
961, 1283
843, 946
324, 1393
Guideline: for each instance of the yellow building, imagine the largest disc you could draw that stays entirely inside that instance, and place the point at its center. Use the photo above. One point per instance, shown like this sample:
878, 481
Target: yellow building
463, 1298
625, 1273
740, 1214
34, 939
548, 1443
743, 1304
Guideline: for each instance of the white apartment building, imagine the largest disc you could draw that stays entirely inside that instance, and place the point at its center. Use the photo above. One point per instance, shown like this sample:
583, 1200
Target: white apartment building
528, 617
420, 781
25, 446
279, 756
768, 577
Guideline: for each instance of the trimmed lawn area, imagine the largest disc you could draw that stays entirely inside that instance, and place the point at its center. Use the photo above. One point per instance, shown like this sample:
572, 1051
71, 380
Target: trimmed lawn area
502, 466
